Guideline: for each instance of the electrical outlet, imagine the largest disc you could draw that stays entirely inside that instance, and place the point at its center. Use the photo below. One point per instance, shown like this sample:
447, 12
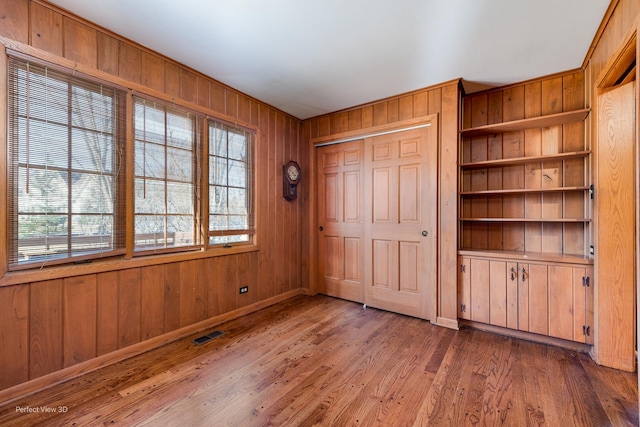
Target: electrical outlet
244, 289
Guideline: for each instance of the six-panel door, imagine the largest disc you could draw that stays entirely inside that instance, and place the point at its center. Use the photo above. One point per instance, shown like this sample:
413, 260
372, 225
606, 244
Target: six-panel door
400, 206
340, 217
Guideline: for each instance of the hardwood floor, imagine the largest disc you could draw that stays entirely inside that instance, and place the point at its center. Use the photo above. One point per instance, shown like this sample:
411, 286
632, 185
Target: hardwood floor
323, 361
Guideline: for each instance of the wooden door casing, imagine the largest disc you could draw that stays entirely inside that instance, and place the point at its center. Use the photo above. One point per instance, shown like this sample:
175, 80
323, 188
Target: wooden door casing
615, 227
340, 217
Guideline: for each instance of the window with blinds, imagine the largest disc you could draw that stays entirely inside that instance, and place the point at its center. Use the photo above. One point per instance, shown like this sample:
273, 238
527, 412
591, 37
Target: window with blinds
230, 182
66, 152
165, 177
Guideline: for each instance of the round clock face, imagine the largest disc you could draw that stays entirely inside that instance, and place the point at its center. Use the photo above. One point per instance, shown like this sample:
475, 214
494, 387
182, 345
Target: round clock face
293, 172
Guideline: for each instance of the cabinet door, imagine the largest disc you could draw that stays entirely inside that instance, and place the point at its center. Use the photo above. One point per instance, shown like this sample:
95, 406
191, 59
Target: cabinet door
523, 294
536, 276
464, 288
498, 293
480, 289
564, 312
583, 304
512, 295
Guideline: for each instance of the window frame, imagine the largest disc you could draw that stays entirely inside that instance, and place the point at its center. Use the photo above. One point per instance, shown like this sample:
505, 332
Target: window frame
196, 172
124, 257
73, 82
250, 231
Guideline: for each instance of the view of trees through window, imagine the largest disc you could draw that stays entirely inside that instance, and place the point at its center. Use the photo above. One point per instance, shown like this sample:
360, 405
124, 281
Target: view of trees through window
229, 180
165, 171
65, 157
66, 175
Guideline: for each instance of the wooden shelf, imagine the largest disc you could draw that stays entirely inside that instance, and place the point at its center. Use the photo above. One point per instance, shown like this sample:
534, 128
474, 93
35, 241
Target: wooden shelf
527, 256
523, 191
522, 160
534, 122
502, 219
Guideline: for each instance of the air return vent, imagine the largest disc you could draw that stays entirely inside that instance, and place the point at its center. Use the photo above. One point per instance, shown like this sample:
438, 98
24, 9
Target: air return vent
206, 338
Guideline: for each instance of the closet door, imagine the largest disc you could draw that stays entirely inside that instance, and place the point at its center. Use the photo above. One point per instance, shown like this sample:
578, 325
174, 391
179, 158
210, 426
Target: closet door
400, 228
341, 220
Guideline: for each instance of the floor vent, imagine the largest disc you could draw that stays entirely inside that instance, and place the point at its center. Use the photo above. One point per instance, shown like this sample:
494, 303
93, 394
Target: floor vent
206, 338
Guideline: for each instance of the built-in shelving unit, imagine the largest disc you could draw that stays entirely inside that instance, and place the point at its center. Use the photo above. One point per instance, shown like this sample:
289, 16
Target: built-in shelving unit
523, 183
530, 123
525, 211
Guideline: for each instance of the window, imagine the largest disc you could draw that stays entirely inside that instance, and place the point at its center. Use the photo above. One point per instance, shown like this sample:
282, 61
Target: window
65, 148
230, 182
165, 177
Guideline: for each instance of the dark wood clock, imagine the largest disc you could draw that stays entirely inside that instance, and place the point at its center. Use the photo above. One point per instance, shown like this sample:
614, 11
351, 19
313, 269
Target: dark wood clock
290, 178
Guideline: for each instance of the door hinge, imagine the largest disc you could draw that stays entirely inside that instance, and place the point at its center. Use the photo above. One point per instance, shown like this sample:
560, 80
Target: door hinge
463, 308
586, 330
463, 268
585, 281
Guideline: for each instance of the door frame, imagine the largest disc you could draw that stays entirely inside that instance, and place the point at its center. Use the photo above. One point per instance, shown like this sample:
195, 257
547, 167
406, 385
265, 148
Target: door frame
612, 74
430, 120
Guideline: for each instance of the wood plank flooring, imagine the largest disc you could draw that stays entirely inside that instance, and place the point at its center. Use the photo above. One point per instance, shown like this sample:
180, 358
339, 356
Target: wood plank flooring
323, 361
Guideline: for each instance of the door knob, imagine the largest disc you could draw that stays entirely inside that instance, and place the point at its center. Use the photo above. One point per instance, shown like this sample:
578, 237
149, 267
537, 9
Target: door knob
425, 233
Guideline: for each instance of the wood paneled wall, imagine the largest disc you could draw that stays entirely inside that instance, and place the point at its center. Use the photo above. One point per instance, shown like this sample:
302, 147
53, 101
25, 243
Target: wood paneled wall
443, 100
554, 94
48, 325
615, 324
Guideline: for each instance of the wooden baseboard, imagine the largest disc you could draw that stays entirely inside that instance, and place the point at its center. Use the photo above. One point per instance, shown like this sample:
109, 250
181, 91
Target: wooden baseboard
447, 323
24, 389
541, 339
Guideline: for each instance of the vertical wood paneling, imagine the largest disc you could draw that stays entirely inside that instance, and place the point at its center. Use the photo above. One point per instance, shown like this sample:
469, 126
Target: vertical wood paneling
217, 97
355, 120
171, 296
129, 313
203, 92
405, 107
14, 335
244, 111
80, 43
421, 103
153, 297
231, 103
14, 17
367, 116
107, 53
215, 284
229, 283
202, 281
130, 62
172, 79
107, 312
79, 319
46, 330
46, 29
131, 305
152, 71
188, 86
380, 113
187, 293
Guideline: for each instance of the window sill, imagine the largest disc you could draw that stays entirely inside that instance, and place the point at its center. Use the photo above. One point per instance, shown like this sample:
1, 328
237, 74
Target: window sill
118, 263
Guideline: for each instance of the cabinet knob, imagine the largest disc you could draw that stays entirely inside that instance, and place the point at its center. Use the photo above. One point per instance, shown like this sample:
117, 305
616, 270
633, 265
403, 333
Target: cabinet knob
321, 228
425, 233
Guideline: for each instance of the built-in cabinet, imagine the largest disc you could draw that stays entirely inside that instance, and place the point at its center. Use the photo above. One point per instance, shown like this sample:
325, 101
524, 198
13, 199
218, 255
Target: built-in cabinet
545, 298
525, 210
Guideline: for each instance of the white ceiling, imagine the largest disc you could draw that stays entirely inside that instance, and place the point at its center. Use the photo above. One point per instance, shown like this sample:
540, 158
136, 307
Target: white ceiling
310, 57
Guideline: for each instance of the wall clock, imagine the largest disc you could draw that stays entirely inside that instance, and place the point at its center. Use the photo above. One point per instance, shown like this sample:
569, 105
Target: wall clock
290, 178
